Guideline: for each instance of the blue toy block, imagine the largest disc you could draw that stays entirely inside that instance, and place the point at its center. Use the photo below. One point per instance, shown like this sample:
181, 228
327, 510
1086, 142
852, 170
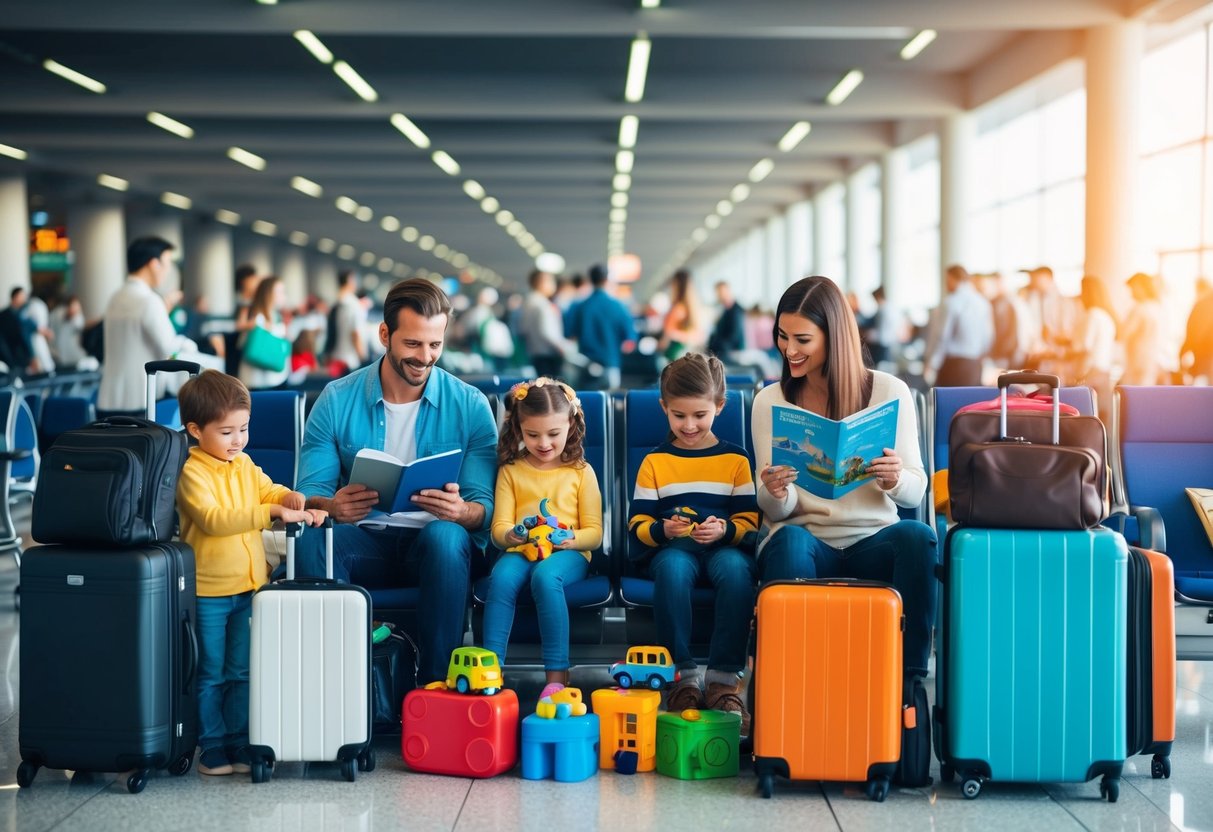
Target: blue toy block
565, 750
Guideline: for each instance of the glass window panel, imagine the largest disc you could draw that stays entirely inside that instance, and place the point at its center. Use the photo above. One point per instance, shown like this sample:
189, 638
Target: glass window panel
1019, 233
1064, 230
776, 278
985, 161
1173, 79
1019, 151
1064, 128
800, 240
1170, 206
922, 271
1208, 195
983, 228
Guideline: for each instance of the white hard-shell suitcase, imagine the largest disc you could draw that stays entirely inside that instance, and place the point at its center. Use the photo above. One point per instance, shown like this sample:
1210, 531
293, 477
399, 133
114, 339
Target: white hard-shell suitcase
310, 671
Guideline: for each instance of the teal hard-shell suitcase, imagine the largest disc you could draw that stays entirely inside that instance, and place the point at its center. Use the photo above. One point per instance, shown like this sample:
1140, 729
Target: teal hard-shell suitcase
1032, 681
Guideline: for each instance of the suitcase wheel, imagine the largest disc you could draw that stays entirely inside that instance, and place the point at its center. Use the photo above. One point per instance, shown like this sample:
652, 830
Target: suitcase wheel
1160, 767
259, 771
349, 769
972, 787
366, 760
26, 773
1109, 788
137, 780
181, 765
766, 785
946, 773
878, 789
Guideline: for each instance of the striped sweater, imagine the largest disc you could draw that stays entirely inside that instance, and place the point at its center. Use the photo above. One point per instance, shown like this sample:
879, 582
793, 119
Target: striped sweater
715, 481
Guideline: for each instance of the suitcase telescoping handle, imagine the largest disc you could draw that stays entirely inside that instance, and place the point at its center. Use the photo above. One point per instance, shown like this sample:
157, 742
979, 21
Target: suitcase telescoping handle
1007, 379
168, 365
293, 530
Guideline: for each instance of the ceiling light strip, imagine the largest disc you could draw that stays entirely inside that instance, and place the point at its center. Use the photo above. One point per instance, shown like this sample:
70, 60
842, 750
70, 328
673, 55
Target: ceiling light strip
355, 82
173, 126
69, 74
638, 69
312, 44
845, 86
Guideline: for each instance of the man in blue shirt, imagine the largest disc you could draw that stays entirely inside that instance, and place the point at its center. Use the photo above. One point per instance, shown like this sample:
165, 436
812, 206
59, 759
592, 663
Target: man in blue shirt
404, 405
601, 325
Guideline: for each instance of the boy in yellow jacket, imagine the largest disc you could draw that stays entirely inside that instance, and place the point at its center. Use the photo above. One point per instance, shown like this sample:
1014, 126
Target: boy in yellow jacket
225, 501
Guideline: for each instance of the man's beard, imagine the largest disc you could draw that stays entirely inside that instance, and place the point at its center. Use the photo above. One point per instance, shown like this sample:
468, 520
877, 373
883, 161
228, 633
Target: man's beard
398, 366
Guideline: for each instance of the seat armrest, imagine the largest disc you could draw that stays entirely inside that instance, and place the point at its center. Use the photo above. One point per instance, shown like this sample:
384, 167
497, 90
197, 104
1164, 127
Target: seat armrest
1142, 526
15, 455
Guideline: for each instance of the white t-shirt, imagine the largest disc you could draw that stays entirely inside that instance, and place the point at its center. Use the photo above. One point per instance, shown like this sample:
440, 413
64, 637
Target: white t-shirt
400, 432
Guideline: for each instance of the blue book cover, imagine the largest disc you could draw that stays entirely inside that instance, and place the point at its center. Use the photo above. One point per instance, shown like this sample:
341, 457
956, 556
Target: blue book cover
397, 481
830, 457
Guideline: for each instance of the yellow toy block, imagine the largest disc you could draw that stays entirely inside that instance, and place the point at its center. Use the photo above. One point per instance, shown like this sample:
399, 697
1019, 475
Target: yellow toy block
627, 721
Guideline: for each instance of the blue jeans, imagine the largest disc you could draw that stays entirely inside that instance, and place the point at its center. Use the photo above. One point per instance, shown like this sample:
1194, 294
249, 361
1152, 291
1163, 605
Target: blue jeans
440, 558
732, 572
903, 554
223, 660
511, 575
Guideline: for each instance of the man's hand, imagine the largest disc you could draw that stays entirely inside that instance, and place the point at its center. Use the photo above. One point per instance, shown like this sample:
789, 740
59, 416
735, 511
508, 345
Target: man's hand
444, 503
351, 503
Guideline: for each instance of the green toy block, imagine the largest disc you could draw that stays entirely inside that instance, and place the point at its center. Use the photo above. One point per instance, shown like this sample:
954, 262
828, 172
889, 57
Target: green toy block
699, 748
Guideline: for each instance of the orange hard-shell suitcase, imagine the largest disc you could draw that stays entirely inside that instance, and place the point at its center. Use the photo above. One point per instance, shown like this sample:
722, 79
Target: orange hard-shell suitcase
828, 683
1151, 702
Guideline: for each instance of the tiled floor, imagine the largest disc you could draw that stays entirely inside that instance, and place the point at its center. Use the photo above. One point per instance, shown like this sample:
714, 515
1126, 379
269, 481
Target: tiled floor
314, 797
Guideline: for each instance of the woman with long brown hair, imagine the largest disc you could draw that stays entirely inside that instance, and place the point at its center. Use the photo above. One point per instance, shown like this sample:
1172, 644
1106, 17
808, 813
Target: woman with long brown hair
684, 326
860, 534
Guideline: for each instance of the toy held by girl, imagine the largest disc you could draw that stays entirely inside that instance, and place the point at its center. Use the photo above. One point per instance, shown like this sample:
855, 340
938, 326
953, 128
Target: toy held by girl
542, 464
693, 514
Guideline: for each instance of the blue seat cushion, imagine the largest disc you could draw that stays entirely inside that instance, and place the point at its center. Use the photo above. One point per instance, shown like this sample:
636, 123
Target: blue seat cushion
638, 592
1195, 585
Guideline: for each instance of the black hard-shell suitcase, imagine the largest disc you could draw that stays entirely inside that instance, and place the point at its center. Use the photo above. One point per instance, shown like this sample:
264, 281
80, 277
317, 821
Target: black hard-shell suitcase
113, 482
109, 657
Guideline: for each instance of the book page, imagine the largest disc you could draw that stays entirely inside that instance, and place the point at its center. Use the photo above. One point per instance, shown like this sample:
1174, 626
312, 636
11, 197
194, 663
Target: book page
863, 436
807, 443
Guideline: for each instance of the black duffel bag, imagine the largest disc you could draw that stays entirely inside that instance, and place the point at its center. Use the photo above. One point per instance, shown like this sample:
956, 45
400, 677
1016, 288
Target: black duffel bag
110, 483
1027, 469
393, 674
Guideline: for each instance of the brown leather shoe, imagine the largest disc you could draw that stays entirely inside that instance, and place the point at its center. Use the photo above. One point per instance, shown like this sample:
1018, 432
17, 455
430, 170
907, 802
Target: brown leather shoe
685, 694
728, 698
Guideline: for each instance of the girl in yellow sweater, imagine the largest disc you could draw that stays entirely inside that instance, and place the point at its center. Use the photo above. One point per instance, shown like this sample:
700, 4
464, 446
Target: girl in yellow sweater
543, 474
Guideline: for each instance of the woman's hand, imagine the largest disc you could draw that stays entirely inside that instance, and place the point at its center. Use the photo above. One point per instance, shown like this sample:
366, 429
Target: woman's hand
776, 479
886, 469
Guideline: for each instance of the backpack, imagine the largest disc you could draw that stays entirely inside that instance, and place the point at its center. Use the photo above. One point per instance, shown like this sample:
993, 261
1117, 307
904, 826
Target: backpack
495, 338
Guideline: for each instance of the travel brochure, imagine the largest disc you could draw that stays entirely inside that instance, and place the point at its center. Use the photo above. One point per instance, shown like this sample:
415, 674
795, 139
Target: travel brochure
830, 457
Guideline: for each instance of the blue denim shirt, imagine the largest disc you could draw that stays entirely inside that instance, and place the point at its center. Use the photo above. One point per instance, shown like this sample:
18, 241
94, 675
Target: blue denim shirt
349, 416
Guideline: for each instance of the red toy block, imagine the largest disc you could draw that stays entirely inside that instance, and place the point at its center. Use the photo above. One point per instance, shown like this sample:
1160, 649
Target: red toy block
461, 735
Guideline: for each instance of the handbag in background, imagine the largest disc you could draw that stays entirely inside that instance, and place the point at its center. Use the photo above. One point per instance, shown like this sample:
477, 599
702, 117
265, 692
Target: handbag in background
265, 350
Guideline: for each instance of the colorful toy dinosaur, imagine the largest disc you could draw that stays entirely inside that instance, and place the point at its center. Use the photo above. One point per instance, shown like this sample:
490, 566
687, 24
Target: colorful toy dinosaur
543, 532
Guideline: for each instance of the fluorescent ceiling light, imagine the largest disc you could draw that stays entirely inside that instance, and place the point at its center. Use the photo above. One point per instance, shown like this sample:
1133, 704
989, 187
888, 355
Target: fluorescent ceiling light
249, 160
326, 245
794, 136
526, 239
69, 74
367, 259
426, 243
649, 4
628, 127
364, 213
844, 87
355, 81
411, 131
401, 270
227, 217
699, 235
312, 44
409, 234
441, 251
515, 228
385, 264
307, 186
443, 160
489, 205
263, 227
619, 215
536, 250
268, 2
12, 152
346, 251
761, 170
711, 221
619, 199
624, 160
616, 227
176, 200
460, 261
917, 43
550, 262
638, 69
724, 207
473, 189
175, 127
740, 193
298, 238
504, 217
115, 182
621, 182
390, 224
345, 204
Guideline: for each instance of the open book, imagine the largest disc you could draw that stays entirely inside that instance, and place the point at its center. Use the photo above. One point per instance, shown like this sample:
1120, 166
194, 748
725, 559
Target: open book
397, 481
830, 457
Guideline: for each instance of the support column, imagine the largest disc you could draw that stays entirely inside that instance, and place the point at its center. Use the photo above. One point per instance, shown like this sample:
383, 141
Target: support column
255, 249
322, 277
14, 235
893, 168
209, 267
98, 233
853, 210
956, 139
165, 225
819, 235
291, 266
1113, 65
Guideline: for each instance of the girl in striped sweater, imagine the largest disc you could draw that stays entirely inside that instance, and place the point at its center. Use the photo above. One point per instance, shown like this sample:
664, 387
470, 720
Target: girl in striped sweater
694, 514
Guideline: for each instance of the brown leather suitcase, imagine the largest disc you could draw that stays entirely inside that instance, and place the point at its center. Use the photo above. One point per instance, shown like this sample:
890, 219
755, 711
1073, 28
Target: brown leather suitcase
1027, 469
